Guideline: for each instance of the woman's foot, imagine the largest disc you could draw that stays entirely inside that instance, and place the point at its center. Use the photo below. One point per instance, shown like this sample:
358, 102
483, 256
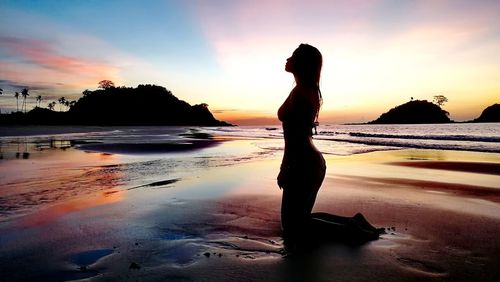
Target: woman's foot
359, 233
363, 223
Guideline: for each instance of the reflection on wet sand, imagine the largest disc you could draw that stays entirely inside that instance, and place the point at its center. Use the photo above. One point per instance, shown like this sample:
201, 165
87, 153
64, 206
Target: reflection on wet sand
23, 148
52, 175
56, 171
53, 212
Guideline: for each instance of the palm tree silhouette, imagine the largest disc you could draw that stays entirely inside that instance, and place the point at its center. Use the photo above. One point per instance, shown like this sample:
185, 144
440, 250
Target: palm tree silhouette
51, 105
25, 94
17, 101
39, 100
62, 101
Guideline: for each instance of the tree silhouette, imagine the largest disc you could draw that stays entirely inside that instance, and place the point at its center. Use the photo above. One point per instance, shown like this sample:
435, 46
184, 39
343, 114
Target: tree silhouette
51, 105
62, 102
39, 100
440, 100
25, 95
105, 84
17, 101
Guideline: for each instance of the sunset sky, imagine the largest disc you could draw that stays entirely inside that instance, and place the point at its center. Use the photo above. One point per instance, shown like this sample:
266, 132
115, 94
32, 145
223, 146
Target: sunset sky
231, 54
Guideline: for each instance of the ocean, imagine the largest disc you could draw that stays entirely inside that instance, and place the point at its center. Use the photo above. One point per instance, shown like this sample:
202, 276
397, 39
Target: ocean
330, 138
354, 139
40, 166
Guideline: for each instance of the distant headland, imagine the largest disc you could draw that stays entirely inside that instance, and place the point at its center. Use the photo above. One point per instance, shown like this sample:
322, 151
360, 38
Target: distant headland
490, 114
116, 106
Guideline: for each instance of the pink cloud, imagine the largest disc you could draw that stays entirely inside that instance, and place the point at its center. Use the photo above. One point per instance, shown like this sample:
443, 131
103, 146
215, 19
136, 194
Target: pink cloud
37, 63
258, 28
38, 66
43, 54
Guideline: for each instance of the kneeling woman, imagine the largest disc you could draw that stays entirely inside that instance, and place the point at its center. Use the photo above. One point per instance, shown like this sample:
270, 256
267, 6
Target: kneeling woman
303, 167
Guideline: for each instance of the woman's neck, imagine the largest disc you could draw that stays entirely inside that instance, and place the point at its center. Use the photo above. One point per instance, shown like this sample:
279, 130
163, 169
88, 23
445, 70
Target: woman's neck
301, 83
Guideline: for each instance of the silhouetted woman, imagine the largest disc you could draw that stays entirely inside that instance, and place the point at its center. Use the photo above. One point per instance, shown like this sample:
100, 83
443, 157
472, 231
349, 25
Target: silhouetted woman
303, 167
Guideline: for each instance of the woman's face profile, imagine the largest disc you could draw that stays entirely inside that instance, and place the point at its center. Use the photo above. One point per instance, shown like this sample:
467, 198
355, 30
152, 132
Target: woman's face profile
289, 66
289, 63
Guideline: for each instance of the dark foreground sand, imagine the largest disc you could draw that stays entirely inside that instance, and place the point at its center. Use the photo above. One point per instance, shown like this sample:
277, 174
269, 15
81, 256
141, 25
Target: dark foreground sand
442, 219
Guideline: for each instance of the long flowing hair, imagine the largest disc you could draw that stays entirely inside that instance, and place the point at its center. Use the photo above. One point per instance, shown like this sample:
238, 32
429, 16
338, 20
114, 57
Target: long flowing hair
307, 69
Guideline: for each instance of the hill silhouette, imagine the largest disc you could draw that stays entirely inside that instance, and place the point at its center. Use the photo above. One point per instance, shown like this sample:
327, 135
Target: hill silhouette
143, 105
490, 114
418, 111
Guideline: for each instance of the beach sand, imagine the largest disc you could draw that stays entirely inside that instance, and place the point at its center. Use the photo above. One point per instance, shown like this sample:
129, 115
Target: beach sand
441, 211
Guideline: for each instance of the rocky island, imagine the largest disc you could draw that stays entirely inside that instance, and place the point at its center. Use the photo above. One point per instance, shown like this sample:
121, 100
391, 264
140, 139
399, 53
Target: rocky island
417, 111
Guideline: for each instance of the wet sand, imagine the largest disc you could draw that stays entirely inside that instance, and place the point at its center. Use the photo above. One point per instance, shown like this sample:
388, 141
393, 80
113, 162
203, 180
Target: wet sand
221, 223
476, 167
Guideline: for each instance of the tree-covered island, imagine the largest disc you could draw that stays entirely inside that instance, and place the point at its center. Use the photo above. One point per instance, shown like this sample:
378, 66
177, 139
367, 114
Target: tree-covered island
110, 105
